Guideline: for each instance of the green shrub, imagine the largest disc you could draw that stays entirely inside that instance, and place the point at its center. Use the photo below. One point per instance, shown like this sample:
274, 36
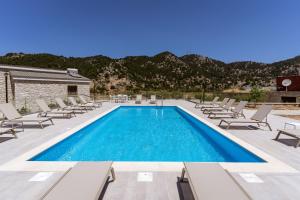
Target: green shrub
256, 94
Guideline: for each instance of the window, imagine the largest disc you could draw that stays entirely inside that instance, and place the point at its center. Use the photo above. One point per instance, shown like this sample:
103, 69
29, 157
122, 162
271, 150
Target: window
72, 90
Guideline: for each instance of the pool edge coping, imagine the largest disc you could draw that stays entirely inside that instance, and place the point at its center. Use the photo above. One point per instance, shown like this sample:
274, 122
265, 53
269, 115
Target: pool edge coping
21, 163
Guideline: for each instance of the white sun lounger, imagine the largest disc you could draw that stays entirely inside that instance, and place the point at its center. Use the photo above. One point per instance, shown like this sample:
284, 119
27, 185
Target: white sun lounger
152, 99
258, 118
295, 133
234, 113
85, 181
212, 103
138, 99
225, 107
45, 110
63, 106
217, 105
209, 181
74, 103
13, 117
93, 103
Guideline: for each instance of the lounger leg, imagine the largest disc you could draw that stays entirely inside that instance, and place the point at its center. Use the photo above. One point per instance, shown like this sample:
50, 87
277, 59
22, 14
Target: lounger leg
13, 132
228, 126
182, 174
113, 175
277, 137
298, 143
269, 126
41, 125
221, 122
258, 124
51, 121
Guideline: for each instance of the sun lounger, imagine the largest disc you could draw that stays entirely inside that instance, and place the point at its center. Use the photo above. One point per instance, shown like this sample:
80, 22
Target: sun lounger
63, 106
45, 110
258, 118
13, 117
295, 133
152, 99
234, 113
212, 103
225, 100
209, 181
74, 103
225, 107
138, 99
94, 103
4, 130
85, 181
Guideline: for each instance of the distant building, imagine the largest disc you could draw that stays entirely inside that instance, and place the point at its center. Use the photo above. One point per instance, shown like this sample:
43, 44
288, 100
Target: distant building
22, 85
294, 86
290, 93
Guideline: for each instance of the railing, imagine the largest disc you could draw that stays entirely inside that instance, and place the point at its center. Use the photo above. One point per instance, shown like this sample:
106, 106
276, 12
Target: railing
255, 104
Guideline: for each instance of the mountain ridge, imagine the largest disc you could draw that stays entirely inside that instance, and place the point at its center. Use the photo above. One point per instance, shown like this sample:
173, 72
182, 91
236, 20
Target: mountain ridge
163, 71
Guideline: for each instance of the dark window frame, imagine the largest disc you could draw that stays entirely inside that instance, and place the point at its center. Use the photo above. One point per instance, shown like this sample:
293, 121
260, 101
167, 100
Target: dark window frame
72, 90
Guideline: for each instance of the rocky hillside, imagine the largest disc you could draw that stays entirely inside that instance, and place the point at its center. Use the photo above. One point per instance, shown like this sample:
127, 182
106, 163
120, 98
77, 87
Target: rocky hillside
163, 71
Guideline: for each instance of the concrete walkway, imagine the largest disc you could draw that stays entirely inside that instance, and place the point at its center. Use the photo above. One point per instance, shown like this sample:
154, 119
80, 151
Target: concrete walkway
16, 185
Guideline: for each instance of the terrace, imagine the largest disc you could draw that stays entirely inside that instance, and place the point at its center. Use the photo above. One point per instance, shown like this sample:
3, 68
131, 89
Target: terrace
15, 182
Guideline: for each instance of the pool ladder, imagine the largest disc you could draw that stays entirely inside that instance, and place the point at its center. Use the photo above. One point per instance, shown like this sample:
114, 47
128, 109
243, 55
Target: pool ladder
161, 101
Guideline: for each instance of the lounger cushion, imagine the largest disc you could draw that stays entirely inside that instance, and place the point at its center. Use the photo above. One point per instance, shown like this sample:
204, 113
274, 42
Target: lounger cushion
210, 181
84, 181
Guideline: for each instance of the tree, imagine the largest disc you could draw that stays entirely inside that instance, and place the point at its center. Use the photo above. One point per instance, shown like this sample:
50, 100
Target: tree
256, 94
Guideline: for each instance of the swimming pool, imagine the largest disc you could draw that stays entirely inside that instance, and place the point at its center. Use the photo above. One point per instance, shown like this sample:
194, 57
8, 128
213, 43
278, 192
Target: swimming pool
147, 133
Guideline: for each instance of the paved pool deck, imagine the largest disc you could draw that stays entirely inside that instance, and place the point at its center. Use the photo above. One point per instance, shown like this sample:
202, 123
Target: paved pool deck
16, 185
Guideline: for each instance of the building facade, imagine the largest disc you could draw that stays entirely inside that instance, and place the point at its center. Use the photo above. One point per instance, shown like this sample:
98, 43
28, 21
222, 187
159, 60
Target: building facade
287, 93
22, 85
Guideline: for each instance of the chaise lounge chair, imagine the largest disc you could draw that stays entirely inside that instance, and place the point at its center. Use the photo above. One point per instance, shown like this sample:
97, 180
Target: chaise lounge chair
138, 99
234, 113
93, 103
85, 181
295, 133
225, 107
13, 117
63, 106
225, 100
210, 181
152, 99
46, 110
75, 104
260, 115
212, 103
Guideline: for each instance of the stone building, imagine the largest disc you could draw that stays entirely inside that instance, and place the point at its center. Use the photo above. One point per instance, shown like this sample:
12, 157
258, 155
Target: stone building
22, 85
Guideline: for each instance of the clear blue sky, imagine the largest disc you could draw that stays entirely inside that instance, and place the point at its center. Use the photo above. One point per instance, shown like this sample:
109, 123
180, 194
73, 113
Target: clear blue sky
229, 30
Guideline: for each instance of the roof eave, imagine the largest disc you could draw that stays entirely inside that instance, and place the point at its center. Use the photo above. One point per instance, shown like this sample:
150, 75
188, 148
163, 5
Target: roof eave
50, 80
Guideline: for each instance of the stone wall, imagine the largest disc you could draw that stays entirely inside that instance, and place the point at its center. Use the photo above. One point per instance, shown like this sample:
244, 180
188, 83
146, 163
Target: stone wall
84, 90
277, 95
2, 88
26, 92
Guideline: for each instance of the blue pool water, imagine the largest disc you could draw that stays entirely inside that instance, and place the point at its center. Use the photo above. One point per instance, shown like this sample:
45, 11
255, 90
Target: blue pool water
132, 133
